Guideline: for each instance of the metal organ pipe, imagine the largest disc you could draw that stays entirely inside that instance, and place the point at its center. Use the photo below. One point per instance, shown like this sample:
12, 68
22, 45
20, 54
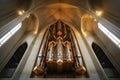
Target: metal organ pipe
39, 68
54, 31
59, 27
59, 50
65, 31
51, 50
68, 50
59, 54
80, 68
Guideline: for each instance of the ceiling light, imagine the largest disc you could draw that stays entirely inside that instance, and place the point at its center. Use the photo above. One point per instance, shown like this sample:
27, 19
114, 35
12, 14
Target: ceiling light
20, 12
99, 13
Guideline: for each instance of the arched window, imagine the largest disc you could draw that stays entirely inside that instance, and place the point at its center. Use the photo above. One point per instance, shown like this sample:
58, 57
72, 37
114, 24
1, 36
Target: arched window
105, 62
12, 64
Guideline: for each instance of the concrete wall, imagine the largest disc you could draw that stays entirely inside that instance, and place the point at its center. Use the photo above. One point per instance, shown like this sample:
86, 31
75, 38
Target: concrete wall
112, 11
6, 48
93, 34
28, 25
8, 10
30, 22
114, 51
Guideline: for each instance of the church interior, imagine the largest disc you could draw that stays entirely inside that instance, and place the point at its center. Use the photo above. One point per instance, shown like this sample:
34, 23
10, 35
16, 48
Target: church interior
59, 39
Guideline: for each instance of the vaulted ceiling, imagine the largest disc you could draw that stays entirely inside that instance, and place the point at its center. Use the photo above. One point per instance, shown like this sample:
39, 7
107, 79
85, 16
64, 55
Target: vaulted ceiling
59, 9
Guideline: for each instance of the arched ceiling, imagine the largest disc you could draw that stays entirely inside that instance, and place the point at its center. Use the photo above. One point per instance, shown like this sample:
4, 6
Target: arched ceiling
8, 9
110, 9
65, 12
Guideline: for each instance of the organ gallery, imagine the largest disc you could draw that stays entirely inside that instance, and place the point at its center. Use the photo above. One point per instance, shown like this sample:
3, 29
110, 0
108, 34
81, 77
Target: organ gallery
59, 40
59, 53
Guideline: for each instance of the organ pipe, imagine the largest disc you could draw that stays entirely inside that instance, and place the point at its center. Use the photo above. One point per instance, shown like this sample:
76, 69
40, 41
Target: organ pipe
68, 50
59, 49
51, 50
65, 31
39, 67
59, 52
59, 27
80, 68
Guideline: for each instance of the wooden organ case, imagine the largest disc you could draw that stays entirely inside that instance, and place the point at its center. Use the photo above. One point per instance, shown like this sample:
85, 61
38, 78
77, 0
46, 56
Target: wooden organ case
59, 54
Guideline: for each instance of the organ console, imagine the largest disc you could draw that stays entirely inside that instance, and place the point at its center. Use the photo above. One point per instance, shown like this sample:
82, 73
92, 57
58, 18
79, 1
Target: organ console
61, 52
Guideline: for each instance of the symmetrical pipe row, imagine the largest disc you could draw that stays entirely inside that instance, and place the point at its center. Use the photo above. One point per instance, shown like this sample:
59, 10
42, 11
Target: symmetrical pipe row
59, 52
80, 68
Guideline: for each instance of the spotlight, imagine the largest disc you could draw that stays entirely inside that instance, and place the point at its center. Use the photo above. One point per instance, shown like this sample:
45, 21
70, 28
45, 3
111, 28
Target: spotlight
99, 13
20, 12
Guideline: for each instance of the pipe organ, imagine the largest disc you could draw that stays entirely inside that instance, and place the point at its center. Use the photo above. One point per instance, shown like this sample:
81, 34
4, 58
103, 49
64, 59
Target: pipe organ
59, 53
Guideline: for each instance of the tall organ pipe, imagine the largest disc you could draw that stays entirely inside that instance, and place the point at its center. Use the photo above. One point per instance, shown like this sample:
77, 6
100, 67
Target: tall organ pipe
54, 31
59, 27
59, 54
80, 68
59, 49
51, 50
65, 31
39, 67
68, 50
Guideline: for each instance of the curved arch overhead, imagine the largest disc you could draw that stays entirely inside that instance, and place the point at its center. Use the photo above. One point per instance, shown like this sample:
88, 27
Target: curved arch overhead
77, 3
65, 12
58, 28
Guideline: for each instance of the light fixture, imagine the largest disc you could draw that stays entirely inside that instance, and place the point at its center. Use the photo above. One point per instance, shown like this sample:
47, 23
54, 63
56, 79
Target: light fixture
20, 12
99, 13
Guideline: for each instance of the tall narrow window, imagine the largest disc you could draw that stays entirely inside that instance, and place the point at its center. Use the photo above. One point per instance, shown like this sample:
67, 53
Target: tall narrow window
9, 34
110, 35
12, 64
108, 67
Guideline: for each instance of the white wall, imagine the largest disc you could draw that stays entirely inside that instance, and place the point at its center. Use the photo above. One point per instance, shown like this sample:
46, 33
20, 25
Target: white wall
114, 51
6, 48
93, 34
29, 24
